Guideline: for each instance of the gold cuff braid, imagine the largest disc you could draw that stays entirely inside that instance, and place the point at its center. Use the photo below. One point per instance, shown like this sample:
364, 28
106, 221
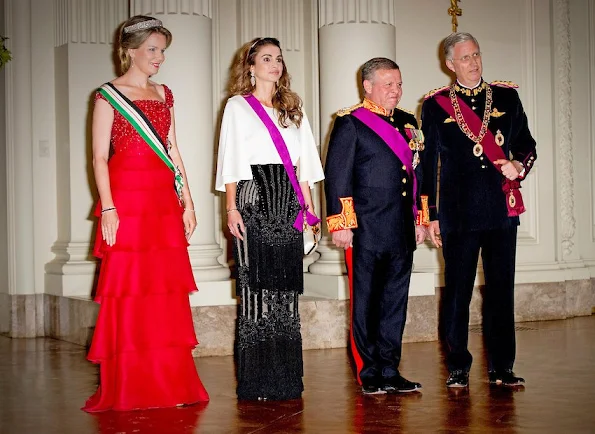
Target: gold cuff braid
423, 214
346, 220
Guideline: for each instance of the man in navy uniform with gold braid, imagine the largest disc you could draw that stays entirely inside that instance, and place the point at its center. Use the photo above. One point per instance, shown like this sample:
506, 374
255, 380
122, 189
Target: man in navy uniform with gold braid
479, 133
372, 209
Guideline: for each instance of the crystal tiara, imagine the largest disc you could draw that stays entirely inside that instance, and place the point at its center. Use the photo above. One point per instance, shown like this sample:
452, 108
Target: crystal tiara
149, 24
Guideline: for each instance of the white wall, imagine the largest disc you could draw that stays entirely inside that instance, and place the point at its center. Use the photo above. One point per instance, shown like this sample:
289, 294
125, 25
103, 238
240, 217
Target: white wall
582, 20
43, 140
4, 312
522, 41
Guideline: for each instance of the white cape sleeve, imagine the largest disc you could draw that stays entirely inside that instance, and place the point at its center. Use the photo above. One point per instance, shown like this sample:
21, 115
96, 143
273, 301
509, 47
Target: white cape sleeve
233, 163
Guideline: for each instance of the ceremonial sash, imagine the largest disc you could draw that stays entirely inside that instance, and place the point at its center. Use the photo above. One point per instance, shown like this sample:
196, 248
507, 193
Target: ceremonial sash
281, 147
395, 141
511, 189
144, 128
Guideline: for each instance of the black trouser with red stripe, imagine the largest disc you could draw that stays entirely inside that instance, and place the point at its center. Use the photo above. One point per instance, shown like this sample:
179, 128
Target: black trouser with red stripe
379, 283
461, 253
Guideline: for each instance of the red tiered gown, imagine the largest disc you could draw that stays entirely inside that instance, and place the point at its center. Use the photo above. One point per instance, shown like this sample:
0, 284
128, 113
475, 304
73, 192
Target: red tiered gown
144, 333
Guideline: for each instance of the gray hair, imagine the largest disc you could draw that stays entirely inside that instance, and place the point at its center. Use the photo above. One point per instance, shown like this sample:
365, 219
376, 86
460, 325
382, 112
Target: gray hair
456, 38
373, 65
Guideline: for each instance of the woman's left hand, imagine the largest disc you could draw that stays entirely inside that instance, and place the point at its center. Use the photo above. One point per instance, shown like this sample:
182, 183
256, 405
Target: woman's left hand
189, 219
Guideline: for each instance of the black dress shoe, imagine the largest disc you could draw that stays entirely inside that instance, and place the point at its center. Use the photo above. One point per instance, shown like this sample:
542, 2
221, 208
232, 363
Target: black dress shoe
458, 378
399, 384
505, 378
372, 388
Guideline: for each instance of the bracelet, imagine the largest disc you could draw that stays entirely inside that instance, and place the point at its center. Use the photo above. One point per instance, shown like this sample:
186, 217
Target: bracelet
111, 208
230, 210
188, 209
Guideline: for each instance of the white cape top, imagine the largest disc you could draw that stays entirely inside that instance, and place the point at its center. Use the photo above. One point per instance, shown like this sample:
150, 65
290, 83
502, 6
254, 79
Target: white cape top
244, 141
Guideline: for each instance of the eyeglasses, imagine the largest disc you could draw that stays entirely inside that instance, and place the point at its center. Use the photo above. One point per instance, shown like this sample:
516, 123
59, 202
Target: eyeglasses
468, 57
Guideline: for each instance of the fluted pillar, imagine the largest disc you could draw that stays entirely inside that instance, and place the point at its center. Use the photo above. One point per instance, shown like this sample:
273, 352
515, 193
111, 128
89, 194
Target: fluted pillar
562, 47
188, 71
350, 33
17, 301
83, 60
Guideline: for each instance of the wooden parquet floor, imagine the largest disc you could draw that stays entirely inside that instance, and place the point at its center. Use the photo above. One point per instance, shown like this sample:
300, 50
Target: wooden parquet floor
44, 382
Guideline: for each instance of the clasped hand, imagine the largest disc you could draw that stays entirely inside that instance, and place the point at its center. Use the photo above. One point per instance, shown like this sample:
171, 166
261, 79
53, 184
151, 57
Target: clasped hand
510, 168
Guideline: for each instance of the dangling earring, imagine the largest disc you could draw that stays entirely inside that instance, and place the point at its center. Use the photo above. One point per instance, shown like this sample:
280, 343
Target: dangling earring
252, 79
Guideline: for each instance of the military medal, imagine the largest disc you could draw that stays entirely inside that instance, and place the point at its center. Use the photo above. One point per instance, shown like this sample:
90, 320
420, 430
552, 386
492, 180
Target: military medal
511, 199
496, 114
415, 160
416, 142
499, 138
478, 150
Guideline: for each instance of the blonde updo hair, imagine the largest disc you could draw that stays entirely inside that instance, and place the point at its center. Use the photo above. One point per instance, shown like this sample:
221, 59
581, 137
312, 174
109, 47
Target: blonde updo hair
135, 39
287, 103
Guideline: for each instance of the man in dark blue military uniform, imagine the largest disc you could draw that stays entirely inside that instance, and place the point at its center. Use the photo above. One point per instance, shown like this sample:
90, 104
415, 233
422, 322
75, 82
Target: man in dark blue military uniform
372, 210
479, 133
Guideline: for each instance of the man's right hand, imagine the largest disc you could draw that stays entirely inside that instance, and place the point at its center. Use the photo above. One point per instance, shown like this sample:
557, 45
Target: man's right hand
343, 238
434, 231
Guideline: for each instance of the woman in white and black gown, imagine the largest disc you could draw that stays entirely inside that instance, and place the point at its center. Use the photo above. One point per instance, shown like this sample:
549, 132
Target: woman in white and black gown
262, 207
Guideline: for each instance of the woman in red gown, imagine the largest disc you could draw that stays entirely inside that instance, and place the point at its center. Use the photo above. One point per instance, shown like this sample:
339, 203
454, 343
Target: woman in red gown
144, 333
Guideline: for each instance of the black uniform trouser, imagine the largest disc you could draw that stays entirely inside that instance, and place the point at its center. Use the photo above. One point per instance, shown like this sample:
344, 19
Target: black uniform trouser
379, 309
461, 252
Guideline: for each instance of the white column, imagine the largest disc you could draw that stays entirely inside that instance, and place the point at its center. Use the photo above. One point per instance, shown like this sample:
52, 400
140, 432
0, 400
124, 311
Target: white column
83, 35
350, 33
18, 311
19, 174
188, 71
564, 127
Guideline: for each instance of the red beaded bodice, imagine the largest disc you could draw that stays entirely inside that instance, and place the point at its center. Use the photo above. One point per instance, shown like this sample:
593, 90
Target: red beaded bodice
125, 139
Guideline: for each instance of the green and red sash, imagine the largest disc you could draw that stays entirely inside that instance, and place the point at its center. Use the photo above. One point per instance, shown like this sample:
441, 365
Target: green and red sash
144, 128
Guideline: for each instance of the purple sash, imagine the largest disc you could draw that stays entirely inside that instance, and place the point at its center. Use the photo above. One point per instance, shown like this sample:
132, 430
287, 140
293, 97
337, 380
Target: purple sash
311, 219
395, 141
511, 189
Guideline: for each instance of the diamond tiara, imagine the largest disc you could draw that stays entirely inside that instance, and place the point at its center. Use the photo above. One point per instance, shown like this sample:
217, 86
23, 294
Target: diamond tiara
149, 24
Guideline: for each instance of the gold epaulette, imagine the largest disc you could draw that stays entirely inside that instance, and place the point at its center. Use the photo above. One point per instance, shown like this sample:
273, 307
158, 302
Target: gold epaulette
502, 83
406, 111
433, 92
347, 110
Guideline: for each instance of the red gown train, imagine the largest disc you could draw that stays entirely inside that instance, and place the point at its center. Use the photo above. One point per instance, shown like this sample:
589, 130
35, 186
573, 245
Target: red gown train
144, 333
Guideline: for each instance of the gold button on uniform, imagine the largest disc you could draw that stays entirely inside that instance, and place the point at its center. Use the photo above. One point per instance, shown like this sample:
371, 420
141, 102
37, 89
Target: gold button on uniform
404, 167
404, 180
404, 193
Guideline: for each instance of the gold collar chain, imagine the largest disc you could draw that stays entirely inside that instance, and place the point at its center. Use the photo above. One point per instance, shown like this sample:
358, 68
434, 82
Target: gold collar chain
461, 120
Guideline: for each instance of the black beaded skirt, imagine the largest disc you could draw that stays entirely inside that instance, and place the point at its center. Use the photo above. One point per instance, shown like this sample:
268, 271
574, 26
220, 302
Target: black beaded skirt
270, 279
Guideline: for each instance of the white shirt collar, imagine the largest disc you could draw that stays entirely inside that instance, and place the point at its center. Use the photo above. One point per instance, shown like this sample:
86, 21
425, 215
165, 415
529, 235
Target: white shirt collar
467, 87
